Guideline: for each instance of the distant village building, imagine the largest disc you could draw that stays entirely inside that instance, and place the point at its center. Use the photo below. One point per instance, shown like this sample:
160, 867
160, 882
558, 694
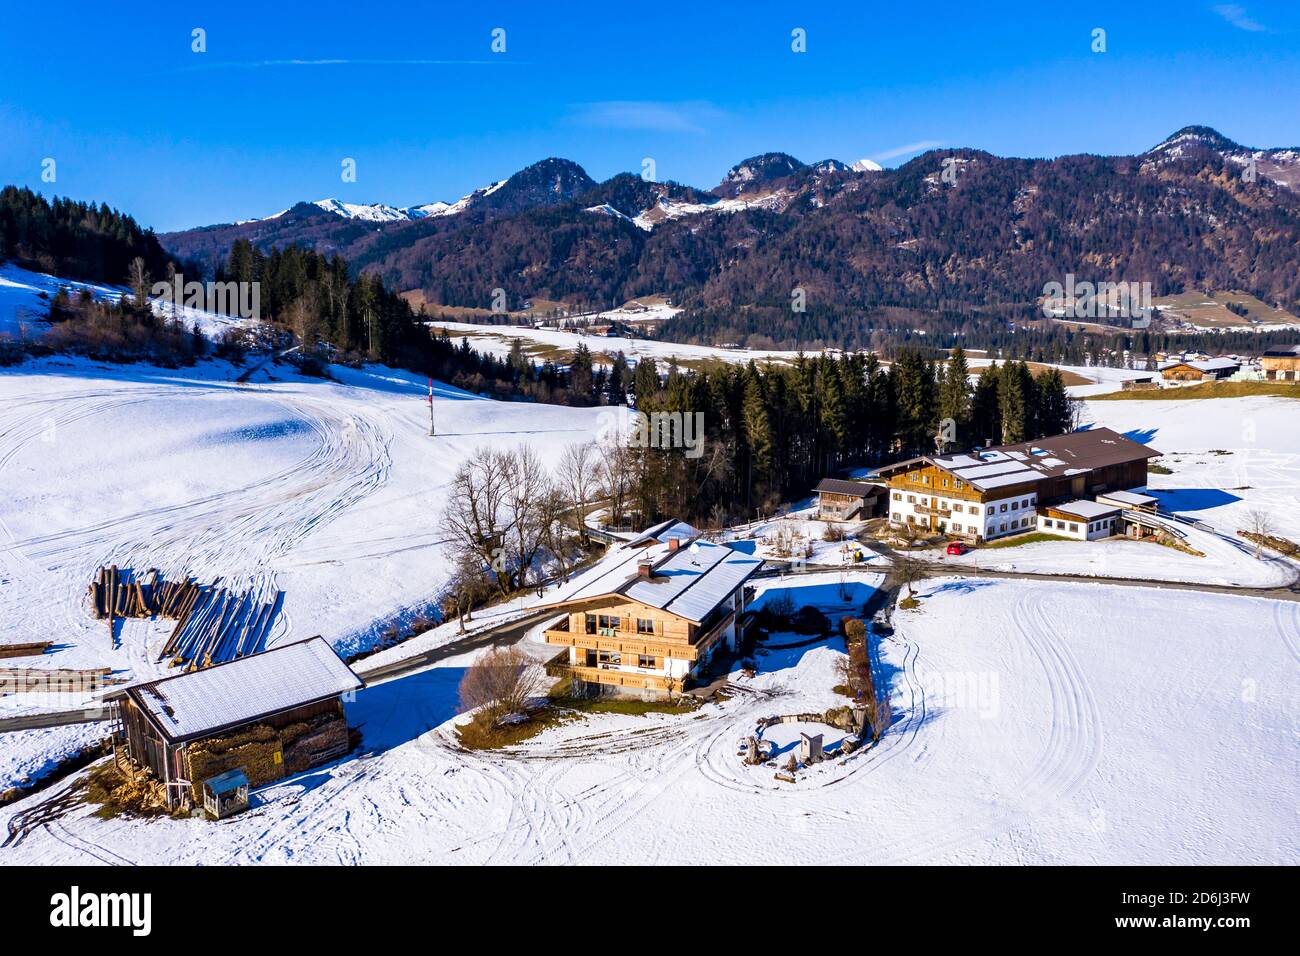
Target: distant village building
266, 716
1193, 371
653, 612
842, 500
1282, 364
994, 492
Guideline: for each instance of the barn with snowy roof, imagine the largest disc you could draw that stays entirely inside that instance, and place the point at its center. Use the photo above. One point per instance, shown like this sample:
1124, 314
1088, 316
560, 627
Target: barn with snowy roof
266, 715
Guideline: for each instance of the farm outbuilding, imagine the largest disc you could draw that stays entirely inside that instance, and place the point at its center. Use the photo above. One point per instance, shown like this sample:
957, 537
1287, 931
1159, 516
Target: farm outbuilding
843, 500
1282, 364
1208, 370
267, 715
1082, 520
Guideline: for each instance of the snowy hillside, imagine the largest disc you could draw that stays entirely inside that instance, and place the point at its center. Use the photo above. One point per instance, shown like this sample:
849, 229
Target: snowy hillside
328, 491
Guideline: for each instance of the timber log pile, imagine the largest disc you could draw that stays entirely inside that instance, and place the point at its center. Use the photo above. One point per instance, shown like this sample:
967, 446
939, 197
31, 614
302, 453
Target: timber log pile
32, 649
219, 625
213, 624
35, 680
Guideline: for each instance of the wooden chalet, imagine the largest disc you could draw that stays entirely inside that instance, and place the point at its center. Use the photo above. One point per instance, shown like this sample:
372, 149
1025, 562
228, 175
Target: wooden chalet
652, 612
993, 492
266, 715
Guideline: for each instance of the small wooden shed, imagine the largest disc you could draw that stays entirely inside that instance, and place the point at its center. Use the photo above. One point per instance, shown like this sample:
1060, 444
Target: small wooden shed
267, 715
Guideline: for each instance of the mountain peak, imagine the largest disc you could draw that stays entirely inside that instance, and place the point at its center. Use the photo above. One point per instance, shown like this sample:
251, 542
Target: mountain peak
1203, 136
755, 172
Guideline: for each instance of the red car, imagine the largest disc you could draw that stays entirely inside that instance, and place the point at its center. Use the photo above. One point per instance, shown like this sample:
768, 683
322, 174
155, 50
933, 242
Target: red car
957, 547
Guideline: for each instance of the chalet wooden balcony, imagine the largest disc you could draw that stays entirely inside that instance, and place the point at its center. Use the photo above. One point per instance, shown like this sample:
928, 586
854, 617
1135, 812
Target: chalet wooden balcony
613, 676
934, 510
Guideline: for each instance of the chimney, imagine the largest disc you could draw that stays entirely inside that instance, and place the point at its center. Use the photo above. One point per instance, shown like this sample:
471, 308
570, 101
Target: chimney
645, 569
674, 544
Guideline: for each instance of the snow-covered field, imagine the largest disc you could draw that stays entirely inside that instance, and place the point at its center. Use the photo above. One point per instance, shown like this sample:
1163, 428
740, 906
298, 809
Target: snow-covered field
1229, 456
1034, 723
330, 492
496, 339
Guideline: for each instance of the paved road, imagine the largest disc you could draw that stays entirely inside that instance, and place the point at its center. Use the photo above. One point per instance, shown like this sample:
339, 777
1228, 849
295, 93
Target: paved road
1290, 592
500, 635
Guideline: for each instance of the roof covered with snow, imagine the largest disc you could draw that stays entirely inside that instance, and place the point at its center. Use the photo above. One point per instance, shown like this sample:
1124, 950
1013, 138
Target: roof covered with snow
229, 695
1074, 453
1131, 498
1208, 365
689, 579
1087, 510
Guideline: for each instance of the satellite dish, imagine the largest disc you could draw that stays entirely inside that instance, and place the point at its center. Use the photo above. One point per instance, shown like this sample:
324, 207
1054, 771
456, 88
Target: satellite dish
695, 548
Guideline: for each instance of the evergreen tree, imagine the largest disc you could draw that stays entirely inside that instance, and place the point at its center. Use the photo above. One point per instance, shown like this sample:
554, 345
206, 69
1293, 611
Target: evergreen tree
955, 395
1012, 404
757, 435
986, 418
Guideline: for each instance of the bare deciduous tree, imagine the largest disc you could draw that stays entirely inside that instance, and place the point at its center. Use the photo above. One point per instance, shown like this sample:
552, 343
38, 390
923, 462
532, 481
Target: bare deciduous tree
529, 504
618, 472
476, 512
501, 681
1260, 524
138, 280
907, 570
580, 479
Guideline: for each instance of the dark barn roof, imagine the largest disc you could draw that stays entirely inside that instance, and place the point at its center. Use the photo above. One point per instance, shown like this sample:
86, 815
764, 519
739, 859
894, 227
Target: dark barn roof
840, 486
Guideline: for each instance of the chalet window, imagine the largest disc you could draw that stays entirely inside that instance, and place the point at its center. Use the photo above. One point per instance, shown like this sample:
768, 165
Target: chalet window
911, 499
645, 660
911, 519
607, 621
945, 482
645, 626
1003, 508
1003, 527
609, 657
990, 509
898, 496
925, 502
1015, 506
956, 527
958, 484
1074, 527
925, 479
898, 516
591, 624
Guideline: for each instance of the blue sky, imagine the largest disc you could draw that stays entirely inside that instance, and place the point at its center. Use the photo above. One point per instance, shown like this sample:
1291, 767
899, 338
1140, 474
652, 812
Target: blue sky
413, 93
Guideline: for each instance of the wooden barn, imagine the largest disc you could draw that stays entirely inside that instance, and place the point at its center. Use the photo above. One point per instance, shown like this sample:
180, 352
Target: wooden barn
1282, 364
1208, 370
842, 500
267, 715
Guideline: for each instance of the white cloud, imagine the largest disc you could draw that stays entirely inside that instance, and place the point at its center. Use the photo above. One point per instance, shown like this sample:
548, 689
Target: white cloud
1237, 16
908, 148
